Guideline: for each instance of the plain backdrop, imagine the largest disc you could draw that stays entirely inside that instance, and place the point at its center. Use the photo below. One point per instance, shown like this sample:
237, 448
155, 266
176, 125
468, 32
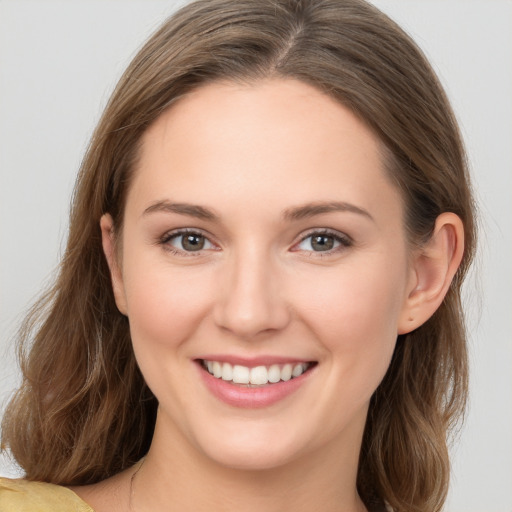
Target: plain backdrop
59, 60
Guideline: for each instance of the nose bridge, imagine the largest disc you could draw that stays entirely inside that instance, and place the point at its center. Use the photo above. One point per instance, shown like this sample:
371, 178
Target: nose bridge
251, 299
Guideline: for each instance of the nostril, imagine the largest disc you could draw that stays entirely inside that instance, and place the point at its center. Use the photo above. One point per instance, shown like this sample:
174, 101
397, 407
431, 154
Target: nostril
250, 319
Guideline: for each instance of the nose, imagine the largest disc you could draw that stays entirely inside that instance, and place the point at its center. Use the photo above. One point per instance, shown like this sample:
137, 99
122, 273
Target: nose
251, 298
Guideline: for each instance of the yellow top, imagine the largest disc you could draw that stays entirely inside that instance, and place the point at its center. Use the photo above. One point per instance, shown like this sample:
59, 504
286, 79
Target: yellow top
23, 496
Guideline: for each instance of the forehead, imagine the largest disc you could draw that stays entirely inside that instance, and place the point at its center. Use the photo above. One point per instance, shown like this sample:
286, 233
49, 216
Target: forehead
278, 141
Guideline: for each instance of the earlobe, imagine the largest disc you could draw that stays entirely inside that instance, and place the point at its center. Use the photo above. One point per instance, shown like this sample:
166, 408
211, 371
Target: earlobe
107, 238
432, 271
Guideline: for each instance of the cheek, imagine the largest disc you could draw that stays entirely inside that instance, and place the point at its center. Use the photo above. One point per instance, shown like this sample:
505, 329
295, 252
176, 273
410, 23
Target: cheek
164, 304
354, 302
165, 308
354, 312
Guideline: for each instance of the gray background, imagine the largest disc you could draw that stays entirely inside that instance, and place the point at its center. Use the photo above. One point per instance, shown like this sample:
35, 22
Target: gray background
59, 60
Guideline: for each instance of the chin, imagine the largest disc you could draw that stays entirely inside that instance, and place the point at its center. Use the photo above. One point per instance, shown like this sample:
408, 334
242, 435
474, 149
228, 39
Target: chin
247, 459
252, 451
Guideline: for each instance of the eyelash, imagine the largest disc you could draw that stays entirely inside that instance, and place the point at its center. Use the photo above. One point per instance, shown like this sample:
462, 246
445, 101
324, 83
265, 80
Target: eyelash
166, 239
343, 240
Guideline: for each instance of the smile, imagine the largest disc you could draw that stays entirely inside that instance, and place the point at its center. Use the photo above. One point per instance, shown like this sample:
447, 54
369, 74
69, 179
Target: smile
255, 376
256, 384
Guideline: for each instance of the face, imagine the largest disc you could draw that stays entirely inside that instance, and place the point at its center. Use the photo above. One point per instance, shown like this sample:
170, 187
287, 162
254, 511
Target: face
262, 238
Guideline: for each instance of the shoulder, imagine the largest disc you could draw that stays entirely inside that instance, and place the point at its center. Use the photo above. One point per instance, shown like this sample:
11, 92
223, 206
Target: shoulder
24, 496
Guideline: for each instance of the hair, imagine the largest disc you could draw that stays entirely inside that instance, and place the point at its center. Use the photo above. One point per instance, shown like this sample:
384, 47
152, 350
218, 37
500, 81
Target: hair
83, 411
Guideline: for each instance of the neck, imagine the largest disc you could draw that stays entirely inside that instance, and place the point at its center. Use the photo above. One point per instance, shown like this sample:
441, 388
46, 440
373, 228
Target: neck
177, 476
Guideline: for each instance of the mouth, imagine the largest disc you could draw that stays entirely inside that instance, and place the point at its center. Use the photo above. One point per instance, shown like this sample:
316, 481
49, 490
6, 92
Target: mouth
255, 376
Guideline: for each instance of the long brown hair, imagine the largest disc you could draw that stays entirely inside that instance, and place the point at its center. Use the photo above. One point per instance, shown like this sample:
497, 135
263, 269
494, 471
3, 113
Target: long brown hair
83, 411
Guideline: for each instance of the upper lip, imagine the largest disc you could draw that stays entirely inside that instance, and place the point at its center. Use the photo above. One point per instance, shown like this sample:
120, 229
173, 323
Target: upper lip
251, 362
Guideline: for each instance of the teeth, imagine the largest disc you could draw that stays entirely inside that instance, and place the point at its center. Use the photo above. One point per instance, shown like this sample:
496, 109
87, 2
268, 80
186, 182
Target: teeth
286, 372
297, 370
217, 369
227, 372
274, 373
240, 374
258, 376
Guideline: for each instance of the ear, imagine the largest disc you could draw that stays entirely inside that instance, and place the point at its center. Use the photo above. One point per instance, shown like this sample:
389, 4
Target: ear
107, 239
432, 271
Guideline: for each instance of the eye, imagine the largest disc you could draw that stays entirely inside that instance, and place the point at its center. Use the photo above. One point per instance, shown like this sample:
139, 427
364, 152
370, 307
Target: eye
323, 241
187, 241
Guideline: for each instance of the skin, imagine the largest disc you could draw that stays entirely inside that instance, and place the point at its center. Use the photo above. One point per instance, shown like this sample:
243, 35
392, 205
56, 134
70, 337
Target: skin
251, 154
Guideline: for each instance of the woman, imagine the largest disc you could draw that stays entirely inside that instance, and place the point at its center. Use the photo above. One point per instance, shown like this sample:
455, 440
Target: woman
259, 305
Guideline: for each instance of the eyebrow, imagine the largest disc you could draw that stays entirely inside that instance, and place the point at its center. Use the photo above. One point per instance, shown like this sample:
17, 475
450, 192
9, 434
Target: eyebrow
191, 210
311, 209
296, 213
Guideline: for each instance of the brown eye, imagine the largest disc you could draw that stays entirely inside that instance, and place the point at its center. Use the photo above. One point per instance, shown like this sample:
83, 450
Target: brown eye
322, 242
192, 242
188, 242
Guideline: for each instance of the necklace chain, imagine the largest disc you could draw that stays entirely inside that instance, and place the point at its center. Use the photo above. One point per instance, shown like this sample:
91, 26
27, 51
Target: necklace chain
131, 507
132, 491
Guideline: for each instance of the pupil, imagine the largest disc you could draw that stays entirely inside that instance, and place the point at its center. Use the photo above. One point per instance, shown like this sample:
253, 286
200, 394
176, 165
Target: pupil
193, 242
322, 243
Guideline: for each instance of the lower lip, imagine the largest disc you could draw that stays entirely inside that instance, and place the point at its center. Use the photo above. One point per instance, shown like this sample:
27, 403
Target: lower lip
251, 398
